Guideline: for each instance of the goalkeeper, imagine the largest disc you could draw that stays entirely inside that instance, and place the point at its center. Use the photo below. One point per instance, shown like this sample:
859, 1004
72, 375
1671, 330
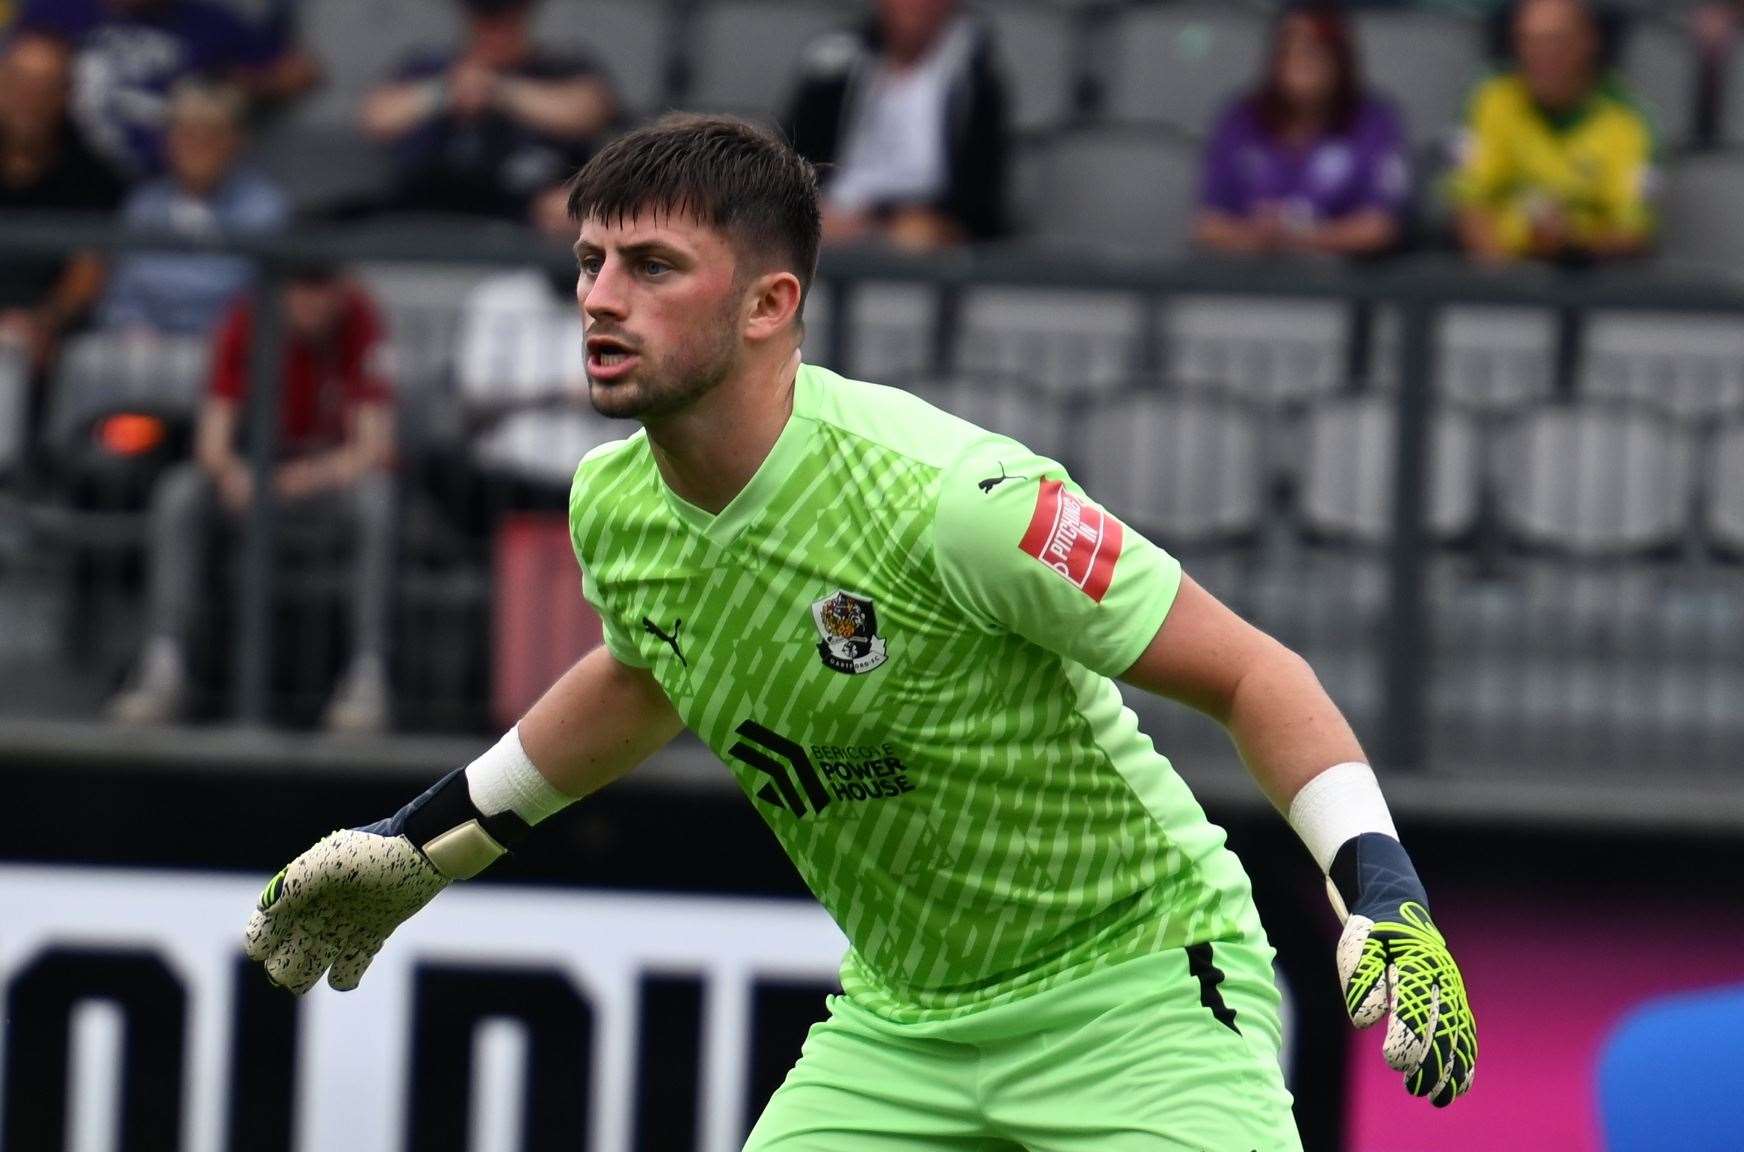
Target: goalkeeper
901, 634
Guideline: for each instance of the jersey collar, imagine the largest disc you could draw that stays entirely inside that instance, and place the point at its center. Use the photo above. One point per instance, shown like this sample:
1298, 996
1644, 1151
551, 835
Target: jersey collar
784, 456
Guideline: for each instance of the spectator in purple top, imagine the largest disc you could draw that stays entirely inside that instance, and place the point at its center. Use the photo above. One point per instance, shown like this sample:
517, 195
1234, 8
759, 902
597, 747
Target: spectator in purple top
130, 53
1310, 162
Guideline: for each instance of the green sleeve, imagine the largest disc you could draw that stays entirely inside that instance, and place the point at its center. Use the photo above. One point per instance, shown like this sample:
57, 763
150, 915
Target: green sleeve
1032, 554
619, 643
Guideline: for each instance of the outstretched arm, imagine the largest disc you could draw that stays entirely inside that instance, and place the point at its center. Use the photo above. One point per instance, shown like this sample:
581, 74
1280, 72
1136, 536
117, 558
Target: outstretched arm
1392, 961
331, 909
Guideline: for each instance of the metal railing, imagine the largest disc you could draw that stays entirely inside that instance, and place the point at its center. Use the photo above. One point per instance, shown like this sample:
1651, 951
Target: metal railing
1407, 715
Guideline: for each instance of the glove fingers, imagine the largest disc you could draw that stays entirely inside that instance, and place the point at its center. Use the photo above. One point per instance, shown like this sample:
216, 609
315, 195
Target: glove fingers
1362, 970
1458, 1082
1406, 1047
300, 960
263, 935
351, 964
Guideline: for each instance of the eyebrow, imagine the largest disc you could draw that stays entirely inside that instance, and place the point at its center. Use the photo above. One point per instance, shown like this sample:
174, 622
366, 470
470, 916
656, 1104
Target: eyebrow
632, 251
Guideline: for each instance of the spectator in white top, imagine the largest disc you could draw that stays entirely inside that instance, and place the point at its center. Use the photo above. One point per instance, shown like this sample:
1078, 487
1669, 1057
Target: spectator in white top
521, 369
906, 116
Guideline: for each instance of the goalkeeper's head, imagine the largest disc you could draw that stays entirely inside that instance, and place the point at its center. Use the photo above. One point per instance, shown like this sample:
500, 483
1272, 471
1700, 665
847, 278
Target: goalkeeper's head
699, 239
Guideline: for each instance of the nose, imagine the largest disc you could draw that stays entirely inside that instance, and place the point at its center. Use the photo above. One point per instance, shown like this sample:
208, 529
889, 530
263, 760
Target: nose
603, 296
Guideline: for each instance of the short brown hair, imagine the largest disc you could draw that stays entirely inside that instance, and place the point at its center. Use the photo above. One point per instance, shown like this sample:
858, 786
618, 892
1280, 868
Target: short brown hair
721, 171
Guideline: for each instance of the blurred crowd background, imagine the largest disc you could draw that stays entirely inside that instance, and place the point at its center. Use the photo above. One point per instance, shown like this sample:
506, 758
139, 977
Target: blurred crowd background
1258, 272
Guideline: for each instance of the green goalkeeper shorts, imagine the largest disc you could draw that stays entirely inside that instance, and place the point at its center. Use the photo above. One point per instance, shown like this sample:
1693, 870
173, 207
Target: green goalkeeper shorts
1170, 1052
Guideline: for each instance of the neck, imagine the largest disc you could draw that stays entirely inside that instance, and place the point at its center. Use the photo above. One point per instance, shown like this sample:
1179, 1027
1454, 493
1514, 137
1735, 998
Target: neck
709, 451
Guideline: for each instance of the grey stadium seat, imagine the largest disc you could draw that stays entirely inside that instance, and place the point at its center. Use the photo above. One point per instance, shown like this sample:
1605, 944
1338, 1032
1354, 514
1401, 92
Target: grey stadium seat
891, 330
1701, 223
360, 43
1125, 191
1038, 48
1263, 349
631, 41
744, 54
1178, 64
1660, 68
422, 305
1594, 481
1005, 404
1184, 470
1346, 490
1065, 340
1687, 365
1425, 63
1486, 358
104, 372
1725, 497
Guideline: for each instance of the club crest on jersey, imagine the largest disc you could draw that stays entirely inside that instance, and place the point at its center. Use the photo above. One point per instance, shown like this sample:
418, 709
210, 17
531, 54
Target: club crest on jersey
849, 627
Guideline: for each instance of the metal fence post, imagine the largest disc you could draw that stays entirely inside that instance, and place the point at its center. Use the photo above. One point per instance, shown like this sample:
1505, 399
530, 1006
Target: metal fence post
253, 651
1407, 658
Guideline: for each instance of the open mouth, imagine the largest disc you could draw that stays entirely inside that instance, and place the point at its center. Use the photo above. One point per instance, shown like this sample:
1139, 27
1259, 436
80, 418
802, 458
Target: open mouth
608, 357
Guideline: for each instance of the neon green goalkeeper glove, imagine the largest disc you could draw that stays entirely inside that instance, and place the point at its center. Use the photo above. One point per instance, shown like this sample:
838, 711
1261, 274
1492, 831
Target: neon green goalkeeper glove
1392, 962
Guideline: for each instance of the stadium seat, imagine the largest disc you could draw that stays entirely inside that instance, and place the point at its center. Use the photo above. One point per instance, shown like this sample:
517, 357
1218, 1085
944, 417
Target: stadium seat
1065, 340
1690, 366
1487, 359
1185, 470
632, 42
1346, 489
1425, 63
893, 331
103, 373
1595, 481
744, 55
1263, 349
1667, 1076
1038, 47
422, 304
1004, 403
1700, 220
1659, 66
1178, 65
1125, 191
1725, 490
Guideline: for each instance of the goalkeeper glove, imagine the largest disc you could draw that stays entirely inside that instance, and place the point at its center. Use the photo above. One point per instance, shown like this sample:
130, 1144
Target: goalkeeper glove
1393, 962
331, 909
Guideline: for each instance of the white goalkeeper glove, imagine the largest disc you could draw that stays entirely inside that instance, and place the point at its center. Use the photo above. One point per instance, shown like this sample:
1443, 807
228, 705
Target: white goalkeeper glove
331, 909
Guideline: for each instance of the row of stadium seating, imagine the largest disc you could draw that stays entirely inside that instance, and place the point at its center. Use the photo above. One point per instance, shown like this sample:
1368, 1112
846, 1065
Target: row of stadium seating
1155, 65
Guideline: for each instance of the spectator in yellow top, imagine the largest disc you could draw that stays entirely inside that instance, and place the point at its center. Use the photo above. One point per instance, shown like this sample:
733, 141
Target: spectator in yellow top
1558, 161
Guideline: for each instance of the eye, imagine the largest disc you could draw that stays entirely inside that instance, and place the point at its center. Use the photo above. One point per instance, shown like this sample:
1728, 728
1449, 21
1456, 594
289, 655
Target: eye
590, 266
652, 267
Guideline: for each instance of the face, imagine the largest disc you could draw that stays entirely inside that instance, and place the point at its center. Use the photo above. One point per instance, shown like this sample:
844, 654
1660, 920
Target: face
1557, 45
663, 310
33, 87
200, 150
312, 307
909, 26
1307, 71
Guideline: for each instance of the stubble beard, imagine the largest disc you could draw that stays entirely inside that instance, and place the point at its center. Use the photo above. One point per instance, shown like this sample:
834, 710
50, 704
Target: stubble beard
662, 388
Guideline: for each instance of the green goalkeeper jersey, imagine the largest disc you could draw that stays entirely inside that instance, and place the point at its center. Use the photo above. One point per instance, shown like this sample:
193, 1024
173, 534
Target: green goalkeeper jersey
899, 638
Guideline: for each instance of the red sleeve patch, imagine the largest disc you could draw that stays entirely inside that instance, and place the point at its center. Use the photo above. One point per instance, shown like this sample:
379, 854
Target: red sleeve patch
1075, 538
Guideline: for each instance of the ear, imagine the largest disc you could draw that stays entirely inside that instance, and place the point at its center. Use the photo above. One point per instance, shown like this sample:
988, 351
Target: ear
774, 305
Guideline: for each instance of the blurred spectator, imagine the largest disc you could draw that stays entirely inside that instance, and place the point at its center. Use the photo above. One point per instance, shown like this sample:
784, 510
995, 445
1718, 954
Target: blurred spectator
336, 441
907, 114
204, 195
43, 164
521, 367
1557, 163
1309, 162
131, 53
481, 132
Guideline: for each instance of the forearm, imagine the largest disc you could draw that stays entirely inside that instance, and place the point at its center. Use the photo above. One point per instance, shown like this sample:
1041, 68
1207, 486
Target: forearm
1285, 726
599, 720
74, 292
391, 112
1361, 234
570, 109
1220, 232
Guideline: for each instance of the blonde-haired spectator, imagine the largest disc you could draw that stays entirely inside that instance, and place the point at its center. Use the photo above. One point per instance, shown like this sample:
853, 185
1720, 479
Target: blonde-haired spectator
1558, 161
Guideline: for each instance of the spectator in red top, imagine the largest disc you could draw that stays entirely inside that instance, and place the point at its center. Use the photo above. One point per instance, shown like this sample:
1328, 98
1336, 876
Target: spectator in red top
335, 445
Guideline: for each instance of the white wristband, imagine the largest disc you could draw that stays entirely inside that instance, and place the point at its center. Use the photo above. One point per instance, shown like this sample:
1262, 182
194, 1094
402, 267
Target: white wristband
505, 780
1342, 802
